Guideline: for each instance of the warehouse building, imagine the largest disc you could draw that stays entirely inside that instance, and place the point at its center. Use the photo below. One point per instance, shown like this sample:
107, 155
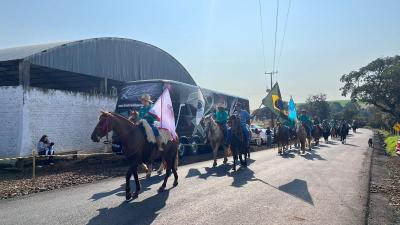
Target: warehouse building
58, 89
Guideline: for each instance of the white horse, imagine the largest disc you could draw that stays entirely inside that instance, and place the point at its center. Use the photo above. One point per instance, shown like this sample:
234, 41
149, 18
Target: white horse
215, 136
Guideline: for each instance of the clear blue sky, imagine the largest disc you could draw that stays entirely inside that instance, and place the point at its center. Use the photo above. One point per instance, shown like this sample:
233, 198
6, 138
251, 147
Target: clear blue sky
219, 42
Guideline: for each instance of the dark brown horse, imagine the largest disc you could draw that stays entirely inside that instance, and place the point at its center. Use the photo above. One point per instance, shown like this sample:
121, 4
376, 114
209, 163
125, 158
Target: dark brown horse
238, 145
136, 148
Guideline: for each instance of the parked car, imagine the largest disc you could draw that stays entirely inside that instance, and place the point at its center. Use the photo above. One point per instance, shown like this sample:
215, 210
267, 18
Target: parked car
258, 135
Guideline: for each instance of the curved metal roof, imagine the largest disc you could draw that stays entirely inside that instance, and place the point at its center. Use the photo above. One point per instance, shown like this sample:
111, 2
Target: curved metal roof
114, 58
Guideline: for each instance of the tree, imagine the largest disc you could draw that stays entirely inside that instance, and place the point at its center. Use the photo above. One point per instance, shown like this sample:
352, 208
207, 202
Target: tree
317, 105
376, 84
351, 110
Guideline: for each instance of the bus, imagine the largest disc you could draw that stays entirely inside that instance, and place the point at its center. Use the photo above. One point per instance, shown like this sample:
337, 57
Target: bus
186, 101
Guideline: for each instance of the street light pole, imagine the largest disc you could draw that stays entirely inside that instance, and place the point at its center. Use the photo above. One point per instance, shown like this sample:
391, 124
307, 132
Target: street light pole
268, 90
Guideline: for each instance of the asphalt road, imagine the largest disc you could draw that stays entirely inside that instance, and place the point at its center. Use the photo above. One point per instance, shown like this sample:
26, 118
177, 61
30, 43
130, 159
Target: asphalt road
327, 186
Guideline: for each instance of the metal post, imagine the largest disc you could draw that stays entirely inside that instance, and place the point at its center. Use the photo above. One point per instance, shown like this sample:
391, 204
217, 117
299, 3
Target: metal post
33, 164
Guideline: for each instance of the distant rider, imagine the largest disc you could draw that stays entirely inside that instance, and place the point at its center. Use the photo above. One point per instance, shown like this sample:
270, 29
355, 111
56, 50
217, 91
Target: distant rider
305, 120
144, 114
244, 122
221, 117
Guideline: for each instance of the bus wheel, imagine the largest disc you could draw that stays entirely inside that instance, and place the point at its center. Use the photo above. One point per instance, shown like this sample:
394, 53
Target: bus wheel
195, 148
181, 150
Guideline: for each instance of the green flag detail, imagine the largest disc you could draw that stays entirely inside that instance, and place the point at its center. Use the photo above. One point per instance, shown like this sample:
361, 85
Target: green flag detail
273, 100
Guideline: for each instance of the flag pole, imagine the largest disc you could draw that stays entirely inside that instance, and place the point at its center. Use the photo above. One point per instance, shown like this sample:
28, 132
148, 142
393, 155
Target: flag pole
272, 114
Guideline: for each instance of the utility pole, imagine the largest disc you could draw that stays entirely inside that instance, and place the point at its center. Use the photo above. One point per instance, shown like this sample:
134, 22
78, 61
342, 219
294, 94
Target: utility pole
269, 90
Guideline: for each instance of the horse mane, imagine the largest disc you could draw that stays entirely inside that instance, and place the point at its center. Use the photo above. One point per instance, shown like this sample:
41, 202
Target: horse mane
123, 118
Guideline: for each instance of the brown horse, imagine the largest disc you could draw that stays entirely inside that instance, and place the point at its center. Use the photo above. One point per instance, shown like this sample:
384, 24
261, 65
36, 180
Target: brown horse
134, 117
136, 148
238, 145
301, 137
215, 136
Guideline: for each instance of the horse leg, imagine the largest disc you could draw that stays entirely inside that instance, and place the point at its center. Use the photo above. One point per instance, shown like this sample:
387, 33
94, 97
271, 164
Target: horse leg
225, 155
150, 168
215, 152
128, 194
161, 168
234, 160
137, 182
167, 174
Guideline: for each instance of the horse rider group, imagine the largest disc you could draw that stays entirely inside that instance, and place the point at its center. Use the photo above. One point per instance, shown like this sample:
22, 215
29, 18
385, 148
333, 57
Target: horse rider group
221, 118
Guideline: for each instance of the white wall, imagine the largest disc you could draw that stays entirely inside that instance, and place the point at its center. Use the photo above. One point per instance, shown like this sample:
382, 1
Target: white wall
67, 118
10, 116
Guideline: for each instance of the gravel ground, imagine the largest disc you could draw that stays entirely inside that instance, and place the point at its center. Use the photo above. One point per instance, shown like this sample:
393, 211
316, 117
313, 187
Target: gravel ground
61, 174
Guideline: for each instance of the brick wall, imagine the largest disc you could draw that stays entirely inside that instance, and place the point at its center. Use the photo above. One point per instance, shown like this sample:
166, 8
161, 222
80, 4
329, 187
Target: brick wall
10, 120
67, 118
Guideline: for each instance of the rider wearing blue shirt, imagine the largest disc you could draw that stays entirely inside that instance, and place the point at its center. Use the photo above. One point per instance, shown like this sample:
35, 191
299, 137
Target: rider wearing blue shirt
244, 121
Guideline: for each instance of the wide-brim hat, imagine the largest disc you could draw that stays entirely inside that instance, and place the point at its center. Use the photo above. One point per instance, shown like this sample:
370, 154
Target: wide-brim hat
220, 105
146, 97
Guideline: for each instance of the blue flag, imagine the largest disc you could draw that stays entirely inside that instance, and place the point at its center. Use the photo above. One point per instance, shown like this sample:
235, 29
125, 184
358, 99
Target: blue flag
292, 110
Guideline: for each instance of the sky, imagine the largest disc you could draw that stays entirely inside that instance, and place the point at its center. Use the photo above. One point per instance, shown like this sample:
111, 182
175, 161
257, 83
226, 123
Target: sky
219, 41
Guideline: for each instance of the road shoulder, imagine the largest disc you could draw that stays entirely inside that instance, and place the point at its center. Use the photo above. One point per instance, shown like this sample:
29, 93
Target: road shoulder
380, 210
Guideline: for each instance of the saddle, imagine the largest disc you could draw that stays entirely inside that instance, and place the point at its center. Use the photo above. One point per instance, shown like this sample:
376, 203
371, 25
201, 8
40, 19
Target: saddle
165, 135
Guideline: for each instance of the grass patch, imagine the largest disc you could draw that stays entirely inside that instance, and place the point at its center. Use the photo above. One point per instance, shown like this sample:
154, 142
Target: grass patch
391, 142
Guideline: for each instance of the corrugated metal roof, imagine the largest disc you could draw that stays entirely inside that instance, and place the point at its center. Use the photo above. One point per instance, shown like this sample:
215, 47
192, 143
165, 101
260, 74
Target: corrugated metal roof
114, 58
8, 54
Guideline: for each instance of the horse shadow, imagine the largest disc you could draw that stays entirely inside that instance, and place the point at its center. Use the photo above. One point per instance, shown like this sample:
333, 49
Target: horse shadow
144, 212
288, 154
324, 146
311, 155
219, 171
145, 184
242, 176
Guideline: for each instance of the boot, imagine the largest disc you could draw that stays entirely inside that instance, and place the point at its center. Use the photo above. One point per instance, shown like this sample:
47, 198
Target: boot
159, 144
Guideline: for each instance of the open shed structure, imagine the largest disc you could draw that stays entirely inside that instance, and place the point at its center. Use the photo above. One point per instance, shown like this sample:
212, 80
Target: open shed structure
97, 65
58, 89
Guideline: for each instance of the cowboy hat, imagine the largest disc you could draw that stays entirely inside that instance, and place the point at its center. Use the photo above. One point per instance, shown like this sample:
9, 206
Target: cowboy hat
146, 97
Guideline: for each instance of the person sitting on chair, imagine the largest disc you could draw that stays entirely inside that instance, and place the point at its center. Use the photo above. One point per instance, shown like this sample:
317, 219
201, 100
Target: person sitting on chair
221, 117
45, 148
144, 114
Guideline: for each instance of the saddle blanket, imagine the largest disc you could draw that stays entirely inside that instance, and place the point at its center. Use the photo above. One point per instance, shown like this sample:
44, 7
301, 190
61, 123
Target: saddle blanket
164, 133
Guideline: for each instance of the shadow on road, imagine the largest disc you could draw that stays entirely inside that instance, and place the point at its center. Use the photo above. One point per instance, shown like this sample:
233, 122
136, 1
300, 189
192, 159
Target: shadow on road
352, 145
144, 212
144, 182
311, 155
242, 176
298, 188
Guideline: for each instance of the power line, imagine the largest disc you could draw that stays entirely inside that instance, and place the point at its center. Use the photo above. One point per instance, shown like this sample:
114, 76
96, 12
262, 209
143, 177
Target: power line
276, 31
284, 34
262, 34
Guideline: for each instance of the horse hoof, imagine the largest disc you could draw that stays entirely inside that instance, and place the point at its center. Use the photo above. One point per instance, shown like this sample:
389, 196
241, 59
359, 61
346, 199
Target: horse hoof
225, 161
214, 164
135, 195
128, 196
159, 172
161, 189
175, 183
148, 176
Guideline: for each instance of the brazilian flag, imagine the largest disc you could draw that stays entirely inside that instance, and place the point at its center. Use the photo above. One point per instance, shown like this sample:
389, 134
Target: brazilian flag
274, 102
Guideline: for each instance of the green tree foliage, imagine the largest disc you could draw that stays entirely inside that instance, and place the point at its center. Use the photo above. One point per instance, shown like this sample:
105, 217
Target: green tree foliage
317, 105
377, 84
350, 111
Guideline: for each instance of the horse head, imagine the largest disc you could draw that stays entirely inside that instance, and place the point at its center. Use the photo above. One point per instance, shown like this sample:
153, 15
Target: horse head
134, 116
103, 126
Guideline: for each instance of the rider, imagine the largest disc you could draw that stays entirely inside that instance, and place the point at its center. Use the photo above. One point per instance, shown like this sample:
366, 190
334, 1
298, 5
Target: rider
144, 114
305, 120
244, 122
316, 120
221, 117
